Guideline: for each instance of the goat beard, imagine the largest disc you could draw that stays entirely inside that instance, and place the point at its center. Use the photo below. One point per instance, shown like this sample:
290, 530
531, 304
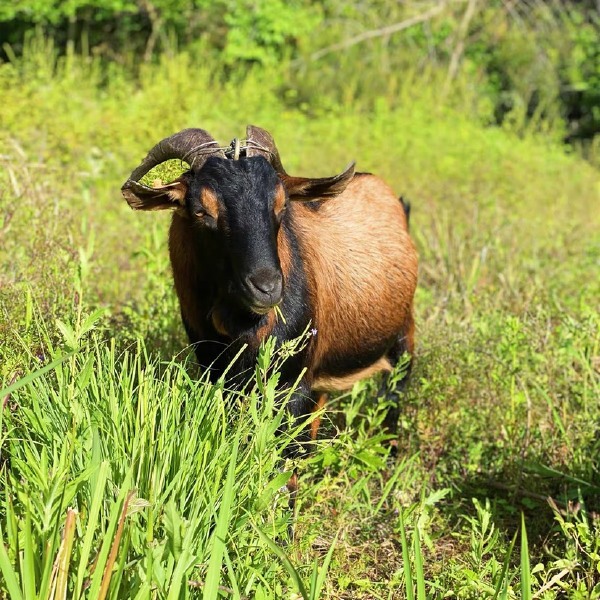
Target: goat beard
231, 321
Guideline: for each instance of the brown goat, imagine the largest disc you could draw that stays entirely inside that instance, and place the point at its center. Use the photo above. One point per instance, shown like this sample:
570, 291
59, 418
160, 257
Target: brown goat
331, 253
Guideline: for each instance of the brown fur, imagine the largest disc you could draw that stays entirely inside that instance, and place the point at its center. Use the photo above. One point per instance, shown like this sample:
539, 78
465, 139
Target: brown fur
187, 272
279, 203
308, 188
210, 202
344, 240
339, 384
263, 332
292, 487
314, 426
361, 292
409, 333
285, 254
162, 197
218, 323
362, 269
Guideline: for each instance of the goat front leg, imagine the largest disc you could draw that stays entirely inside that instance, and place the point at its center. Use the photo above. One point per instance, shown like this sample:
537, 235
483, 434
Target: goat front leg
300, 406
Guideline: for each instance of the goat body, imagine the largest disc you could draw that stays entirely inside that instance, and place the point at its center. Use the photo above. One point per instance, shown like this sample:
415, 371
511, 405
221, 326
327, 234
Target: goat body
332, 253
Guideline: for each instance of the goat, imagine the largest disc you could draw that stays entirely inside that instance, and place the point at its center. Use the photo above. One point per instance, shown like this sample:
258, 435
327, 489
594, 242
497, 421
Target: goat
247, 240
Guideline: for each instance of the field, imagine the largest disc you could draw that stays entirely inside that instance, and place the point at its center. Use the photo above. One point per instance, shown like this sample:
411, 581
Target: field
124, 474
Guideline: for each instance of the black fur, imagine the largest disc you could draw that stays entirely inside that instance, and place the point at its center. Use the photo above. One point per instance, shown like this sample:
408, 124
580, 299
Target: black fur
346, 363
406, 207
246, 237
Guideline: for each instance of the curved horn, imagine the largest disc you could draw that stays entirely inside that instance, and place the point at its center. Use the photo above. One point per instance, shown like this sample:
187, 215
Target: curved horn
260, 143
190, 145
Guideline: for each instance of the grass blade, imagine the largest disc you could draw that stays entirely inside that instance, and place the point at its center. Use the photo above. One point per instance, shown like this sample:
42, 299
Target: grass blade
10, 577
92, 521
315, 591
419, 572
503, 581
525, 569
28, 564
410, 594
115, 515
33, 376
65, 555
285, 561
232, 576
185, 561
213, 574
114, 549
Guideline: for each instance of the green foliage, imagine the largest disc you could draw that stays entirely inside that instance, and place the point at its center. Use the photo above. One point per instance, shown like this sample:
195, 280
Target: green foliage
146, 460
534, 65
264, 31
55, 11
100, 397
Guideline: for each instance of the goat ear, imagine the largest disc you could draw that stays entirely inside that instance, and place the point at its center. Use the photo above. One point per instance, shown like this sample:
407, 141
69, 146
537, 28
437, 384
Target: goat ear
160, 197
306, 189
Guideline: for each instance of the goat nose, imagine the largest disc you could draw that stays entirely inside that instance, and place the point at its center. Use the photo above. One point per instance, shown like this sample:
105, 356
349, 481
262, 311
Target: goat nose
267, 281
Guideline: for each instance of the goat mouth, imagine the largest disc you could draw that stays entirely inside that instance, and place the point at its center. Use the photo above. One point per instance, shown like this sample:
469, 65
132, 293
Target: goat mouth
259, 304
261, 310
253, 305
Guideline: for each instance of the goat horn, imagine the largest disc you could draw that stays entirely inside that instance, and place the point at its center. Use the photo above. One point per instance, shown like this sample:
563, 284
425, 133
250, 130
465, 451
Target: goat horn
260, 143
190, 145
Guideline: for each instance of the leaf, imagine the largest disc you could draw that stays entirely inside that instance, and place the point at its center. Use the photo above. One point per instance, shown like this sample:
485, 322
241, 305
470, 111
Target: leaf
289, 567
68, 334
271, 488
64, 555
173, 524
98, 479
28, 576
109, 536
91, 320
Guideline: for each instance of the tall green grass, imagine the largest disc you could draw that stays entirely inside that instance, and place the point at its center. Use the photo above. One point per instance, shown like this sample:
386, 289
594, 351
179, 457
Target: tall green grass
124, 476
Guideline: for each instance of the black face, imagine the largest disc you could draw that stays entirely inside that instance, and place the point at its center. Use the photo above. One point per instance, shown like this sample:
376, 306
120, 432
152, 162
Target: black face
242, 202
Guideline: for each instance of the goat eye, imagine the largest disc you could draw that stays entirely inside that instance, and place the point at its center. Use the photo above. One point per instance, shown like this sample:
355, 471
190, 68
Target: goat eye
204, 219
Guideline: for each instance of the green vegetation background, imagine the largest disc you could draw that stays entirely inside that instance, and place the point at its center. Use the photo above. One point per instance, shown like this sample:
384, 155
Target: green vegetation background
484, 114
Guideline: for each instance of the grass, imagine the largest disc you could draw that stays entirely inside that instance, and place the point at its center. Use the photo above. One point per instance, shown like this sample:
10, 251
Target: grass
124, 474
